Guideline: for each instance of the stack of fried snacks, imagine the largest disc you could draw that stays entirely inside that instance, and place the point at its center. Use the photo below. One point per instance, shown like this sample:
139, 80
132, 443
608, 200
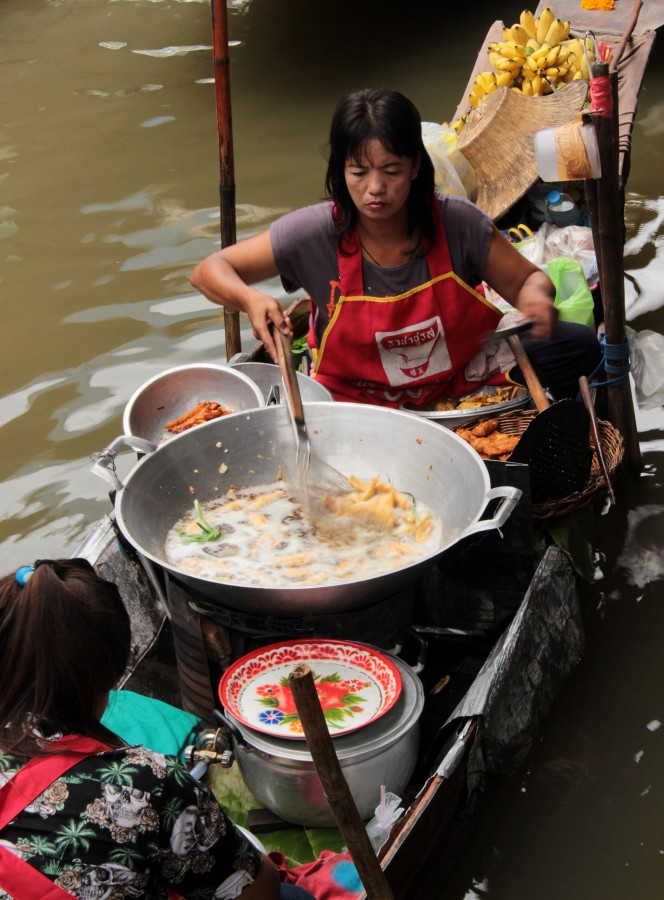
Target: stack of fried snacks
203, 412
475, 401
489, 442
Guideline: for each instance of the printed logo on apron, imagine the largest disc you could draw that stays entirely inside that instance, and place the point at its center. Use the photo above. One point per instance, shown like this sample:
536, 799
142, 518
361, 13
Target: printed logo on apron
413, 352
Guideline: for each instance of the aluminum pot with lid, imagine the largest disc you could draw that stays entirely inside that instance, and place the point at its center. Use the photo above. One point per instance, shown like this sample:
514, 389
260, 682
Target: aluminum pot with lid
281, 774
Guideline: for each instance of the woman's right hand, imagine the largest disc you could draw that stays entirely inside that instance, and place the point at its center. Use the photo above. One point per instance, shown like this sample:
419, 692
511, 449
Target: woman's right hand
225, 277
264, 313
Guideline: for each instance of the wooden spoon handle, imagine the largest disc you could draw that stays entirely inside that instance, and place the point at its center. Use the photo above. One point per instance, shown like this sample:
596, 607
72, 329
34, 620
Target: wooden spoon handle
288, 373
533, 382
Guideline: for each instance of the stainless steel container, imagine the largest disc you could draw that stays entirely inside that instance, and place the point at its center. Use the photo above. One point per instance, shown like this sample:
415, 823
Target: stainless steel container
281, 774
172, 393
268, 376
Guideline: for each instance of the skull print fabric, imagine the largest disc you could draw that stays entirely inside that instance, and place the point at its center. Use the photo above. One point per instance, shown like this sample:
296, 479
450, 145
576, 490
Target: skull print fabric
127, 824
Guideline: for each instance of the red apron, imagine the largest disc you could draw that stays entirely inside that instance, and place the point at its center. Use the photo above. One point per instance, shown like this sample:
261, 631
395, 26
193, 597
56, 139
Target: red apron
411, 348
17, 877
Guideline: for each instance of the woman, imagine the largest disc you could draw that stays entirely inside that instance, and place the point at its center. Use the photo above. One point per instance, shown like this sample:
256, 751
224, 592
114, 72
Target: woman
80, 814
391, 270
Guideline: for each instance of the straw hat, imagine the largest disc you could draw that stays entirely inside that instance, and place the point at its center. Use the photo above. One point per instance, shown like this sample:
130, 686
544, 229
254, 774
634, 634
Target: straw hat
498, 140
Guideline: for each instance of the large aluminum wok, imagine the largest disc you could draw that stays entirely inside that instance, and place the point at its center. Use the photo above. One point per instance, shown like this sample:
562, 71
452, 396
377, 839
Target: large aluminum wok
416, 455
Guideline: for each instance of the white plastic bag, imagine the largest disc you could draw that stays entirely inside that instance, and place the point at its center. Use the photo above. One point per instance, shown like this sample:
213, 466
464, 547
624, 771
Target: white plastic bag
386, 814
574, 242
530, 245
550, 242
646, 357
453, 172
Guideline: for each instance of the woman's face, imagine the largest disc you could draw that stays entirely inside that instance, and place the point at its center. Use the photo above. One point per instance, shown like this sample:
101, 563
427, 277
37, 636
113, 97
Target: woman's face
379, 182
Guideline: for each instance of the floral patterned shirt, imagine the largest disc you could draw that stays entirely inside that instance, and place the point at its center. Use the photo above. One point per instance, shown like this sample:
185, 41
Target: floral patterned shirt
130, 823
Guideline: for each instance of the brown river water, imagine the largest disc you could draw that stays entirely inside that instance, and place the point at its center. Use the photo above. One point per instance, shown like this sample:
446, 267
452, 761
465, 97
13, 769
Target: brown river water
108, 197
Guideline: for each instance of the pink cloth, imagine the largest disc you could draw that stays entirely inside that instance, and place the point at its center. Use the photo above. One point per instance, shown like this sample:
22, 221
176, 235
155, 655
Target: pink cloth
332, 876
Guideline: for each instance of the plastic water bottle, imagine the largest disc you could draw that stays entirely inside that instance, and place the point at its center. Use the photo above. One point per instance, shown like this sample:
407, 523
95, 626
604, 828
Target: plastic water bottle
561, 210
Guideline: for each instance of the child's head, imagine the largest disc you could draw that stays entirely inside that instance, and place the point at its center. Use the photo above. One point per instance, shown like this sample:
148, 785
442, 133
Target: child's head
64, 643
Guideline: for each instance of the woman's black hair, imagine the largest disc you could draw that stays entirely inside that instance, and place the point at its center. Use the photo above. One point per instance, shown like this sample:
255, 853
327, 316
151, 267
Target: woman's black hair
65, 639
391, 118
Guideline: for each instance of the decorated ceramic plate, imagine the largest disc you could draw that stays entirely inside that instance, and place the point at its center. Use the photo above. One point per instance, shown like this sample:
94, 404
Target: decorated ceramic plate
355, 684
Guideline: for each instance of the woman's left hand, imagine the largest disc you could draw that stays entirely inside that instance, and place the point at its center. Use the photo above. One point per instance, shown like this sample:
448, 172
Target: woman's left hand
534, 300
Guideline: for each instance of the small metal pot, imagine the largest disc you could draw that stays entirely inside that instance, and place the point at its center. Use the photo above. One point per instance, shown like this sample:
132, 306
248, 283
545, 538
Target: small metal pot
281, 774
172, 393
268, 377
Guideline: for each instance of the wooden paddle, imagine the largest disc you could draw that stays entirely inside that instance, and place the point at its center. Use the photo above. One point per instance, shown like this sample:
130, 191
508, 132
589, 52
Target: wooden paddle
335, 786
556, 443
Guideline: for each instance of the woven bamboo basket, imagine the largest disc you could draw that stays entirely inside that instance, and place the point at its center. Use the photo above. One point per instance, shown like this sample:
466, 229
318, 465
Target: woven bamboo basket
516, 422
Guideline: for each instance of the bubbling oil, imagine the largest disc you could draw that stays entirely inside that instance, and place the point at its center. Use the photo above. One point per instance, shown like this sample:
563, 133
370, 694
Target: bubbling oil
268, 538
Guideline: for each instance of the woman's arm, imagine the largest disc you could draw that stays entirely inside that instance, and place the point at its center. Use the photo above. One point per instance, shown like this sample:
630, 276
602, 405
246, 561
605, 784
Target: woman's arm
265, 885
225, 277
522, 284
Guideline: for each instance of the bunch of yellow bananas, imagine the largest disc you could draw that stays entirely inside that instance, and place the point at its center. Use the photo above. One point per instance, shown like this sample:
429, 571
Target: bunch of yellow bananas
485, 83
534, 57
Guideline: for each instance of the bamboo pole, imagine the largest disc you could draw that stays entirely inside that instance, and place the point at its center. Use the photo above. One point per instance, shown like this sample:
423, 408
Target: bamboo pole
335, 785
631, 25
610, 234
222, 87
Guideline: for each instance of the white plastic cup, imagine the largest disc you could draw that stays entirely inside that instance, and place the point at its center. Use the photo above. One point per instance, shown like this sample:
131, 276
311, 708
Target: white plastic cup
546, 156
567, 153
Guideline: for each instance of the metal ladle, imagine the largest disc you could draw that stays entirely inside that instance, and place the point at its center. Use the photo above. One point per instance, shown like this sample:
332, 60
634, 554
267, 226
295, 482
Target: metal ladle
316, 477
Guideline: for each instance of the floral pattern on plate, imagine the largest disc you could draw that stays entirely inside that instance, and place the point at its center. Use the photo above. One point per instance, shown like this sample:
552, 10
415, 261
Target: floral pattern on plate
355, 684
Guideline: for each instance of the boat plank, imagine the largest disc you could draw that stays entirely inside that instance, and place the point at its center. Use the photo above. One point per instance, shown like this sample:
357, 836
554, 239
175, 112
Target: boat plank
430, 829
608, 22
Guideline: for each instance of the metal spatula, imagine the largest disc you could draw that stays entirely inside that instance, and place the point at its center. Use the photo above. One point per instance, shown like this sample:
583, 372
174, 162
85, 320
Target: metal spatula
323, 488
294, 403
556, 444
316, 476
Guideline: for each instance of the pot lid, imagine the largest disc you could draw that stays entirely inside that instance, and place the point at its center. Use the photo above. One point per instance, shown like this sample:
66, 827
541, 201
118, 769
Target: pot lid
356, 684
366, 741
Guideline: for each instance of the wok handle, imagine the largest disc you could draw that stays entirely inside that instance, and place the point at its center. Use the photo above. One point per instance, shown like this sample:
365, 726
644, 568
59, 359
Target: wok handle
511, 497
104, 465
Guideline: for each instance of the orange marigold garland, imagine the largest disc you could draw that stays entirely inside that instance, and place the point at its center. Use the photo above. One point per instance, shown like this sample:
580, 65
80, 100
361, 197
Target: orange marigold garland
597, 4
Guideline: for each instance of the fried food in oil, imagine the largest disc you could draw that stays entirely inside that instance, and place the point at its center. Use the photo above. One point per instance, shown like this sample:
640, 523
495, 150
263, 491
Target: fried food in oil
380, 505
203, 412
